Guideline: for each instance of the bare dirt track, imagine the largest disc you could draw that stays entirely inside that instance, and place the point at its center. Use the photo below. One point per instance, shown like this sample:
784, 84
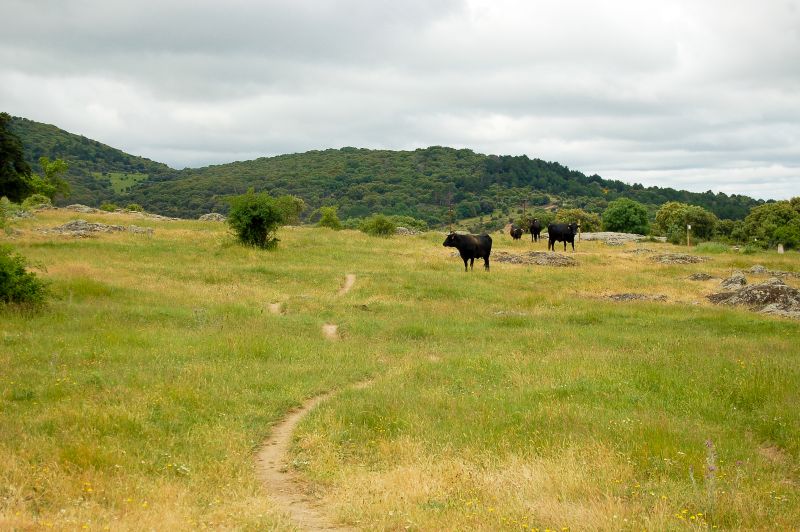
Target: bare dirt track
349, 281
283, 487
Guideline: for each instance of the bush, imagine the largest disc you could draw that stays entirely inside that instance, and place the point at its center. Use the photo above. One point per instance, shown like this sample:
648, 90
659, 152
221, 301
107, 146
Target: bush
587, 220
109, 207
255, 218
626, 216
378, 225
329, 218
673, 217
35, 200
135, 207
409, 222
16, 284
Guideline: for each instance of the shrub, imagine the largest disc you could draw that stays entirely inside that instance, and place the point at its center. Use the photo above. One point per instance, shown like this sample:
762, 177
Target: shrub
378, 225
35, 200
673, 217
135, 207
329, 218
587, 220
255, 218
16, 284
626, 216
409, 222
109, 207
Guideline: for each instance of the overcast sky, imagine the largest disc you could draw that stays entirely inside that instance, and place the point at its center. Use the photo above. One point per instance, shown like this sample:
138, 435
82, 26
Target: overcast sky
691, 94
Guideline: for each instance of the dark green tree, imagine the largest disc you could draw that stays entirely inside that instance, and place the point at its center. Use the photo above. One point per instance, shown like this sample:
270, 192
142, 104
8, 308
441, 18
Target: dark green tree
14, 171
626, 216
673, 217
255, 218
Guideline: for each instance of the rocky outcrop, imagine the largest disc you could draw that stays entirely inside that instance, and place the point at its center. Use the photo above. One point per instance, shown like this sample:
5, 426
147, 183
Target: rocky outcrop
735, 281
212, 217
540, 258
678, 258
84, 229
770, 297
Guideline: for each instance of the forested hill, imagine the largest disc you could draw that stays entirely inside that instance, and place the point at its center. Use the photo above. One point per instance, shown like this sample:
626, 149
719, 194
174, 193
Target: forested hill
97, 172
421, 183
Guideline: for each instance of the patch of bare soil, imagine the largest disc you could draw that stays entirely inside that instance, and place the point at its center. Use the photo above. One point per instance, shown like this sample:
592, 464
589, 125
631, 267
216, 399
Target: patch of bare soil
770, 297
282, 485
636, 297
539, 258
678, 258
330, 331
349, 281
276, 308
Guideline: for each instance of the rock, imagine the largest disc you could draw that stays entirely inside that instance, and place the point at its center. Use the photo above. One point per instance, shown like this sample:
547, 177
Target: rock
701, 277
77, 207
405, 231
771, 297
540, 258
141, 230
636, 297
737, 280
83, 229
212, 217
678, 258
640, 251
757, 268
612, 238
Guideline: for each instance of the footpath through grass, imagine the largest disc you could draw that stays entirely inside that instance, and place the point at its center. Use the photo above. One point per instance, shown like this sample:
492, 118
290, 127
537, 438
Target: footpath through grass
517, 398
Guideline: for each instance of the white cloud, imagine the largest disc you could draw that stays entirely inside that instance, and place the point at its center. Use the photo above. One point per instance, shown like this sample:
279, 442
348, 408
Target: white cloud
700, 94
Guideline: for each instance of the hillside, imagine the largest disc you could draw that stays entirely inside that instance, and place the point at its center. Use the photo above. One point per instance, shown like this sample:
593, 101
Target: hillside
423, 183
97, 172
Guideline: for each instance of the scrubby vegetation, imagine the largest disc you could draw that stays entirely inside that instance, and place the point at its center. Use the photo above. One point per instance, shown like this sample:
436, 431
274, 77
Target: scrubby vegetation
18, 285
255, 218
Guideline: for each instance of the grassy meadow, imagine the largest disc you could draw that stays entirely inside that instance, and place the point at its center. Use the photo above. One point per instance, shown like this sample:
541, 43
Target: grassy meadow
518, 399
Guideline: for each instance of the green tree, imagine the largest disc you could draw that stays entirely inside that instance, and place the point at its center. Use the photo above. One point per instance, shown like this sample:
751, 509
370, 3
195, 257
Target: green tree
329, 218
14, 171
587, 220
626, 216
775, 223
255, 218
673, 217
52, 183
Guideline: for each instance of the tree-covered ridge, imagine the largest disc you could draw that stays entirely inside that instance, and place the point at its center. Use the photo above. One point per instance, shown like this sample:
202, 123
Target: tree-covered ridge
423, 183
87, 159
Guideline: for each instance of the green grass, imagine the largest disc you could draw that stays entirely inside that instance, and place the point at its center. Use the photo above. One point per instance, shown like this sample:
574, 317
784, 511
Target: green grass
502, 399
121, 181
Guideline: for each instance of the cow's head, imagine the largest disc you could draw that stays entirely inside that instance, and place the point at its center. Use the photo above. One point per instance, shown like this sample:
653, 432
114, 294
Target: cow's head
573, 227
451, 240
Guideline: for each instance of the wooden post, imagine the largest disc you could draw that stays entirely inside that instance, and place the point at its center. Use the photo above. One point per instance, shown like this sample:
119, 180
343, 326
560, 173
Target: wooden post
688, 232
579, 231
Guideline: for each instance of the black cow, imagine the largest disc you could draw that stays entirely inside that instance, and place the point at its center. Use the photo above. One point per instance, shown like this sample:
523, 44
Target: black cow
471, 247
561, 233
516, 232
536, 229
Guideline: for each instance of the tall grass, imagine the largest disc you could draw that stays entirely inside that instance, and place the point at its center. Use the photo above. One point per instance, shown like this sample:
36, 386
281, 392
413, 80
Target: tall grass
500, 400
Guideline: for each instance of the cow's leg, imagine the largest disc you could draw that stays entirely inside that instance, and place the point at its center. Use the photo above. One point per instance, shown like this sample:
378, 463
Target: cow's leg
565, 246
472, 263
573, 246
486, 262
466, 261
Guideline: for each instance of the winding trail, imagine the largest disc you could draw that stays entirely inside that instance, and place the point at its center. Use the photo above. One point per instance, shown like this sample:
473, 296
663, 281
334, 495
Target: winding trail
281, 484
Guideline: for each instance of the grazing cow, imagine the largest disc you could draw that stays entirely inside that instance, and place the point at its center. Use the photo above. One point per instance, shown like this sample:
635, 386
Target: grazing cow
471, 247
516, 232
536, 229
561, 233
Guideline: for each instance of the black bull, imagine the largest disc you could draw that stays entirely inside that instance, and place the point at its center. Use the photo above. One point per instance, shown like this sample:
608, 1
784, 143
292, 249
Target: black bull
561, 233
471, 247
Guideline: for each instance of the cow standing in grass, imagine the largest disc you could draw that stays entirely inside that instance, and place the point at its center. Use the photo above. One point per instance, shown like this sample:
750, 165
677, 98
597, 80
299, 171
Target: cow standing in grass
516, 232
561, 233
536, 229
471, 247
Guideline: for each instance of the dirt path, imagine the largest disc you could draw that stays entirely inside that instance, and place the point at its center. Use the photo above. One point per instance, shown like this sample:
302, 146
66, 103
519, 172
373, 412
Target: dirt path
349, 281
279, 481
